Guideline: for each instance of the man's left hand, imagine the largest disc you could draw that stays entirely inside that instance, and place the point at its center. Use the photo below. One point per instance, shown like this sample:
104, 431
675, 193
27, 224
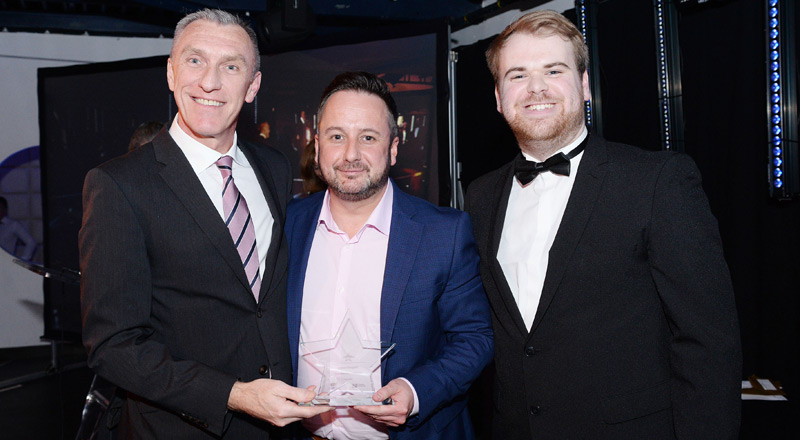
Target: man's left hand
391, 415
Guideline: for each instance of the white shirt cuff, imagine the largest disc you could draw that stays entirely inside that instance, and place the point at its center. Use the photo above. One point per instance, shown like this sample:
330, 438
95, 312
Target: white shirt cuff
415, 410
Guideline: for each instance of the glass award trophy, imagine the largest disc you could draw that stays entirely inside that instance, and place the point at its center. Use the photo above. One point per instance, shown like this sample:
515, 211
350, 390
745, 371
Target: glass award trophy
348, 366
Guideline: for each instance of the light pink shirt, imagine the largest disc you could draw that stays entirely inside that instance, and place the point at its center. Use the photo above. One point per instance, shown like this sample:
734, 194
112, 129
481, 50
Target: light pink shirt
345, 275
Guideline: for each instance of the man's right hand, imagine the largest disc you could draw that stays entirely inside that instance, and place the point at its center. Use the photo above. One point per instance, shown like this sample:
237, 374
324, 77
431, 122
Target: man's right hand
273, 401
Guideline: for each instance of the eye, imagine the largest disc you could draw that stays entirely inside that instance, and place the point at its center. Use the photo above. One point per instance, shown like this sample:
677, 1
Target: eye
193, 60
336, 137
369, 138
554, 72
232, 68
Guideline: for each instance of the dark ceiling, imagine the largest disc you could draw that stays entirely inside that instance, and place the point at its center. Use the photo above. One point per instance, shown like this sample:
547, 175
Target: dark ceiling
158, 17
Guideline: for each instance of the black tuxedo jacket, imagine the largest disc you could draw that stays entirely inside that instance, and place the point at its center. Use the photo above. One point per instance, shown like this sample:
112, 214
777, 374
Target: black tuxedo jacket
636, 334
167, 311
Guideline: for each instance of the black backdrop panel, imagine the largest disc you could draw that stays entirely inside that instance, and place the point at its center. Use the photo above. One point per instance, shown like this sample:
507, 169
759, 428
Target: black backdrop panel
88, 113
724, 101
628, 73
485, 142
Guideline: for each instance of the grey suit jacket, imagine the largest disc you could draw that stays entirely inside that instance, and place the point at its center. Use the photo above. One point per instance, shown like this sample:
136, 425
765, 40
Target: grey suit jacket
636, 333
167, 311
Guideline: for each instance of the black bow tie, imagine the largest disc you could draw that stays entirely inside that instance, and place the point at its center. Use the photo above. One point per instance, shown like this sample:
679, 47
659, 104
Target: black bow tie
526, 170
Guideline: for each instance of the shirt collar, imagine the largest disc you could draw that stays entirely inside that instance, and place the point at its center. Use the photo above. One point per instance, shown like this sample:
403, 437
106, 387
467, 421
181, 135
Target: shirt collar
380, 219
566, 149
201, 157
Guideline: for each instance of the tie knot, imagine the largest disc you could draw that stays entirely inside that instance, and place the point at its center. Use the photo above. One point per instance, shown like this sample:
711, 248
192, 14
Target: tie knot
224, 164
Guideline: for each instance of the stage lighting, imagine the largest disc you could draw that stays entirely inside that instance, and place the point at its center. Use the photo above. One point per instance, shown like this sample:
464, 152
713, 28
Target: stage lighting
784, 164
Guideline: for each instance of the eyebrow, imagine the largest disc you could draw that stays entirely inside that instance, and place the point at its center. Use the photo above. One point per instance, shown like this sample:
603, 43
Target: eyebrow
363, 130
546, 66
557, 63
201, 52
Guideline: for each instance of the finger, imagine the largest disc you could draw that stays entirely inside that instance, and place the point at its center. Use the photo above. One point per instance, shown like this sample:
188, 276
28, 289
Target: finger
293, 393
388, 391
379, 410
294, 412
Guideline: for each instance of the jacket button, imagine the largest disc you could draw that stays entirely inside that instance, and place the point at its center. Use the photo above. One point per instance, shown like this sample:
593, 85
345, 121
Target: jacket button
263, 370
535, 409
530, 351
259, 313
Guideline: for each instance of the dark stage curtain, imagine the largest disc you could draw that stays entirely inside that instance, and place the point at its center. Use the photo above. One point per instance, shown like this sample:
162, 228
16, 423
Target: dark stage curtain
724, 101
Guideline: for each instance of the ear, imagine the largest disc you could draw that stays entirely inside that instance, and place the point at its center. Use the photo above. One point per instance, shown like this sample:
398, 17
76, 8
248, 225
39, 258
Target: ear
170, 75
316, 150
587, 91
393, 151
497, 98
253, 89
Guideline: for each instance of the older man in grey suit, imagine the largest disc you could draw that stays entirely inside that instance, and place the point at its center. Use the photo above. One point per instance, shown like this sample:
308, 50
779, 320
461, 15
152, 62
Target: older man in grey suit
184, 259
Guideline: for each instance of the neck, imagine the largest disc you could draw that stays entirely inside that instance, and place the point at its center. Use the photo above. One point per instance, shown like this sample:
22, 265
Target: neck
351, 216
221, 144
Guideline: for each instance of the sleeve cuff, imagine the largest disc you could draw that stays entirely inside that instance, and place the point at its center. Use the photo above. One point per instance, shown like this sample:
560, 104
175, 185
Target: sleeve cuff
415, 410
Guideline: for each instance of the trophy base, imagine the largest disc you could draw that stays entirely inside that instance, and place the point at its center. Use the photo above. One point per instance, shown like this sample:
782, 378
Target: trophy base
347, 400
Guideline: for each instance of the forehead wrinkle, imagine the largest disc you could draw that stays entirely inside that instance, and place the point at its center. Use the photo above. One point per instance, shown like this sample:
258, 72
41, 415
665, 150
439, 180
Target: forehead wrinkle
190, 50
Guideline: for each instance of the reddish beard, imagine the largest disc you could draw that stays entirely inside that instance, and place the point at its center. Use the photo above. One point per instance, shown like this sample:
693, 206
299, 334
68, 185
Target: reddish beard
554, 132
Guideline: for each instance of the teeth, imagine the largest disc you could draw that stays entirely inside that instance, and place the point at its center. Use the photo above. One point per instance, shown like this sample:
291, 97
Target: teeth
208, 102
540, 106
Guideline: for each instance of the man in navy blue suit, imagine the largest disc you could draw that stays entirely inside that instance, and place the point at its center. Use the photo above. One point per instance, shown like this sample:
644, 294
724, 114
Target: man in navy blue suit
400, 269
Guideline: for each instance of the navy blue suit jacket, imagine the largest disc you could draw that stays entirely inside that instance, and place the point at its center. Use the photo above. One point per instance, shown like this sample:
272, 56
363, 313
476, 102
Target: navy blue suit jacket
432, 305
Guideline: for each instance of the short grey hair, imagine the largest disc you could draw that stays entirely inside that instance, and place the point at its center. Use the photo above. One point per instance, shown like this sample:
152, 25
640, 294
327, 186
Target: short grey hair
219, 17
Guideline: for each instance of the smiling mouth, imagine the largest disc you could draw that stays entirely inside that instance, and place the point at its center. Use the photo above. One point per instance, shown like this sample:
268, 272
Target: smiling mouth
208, 102
539, 107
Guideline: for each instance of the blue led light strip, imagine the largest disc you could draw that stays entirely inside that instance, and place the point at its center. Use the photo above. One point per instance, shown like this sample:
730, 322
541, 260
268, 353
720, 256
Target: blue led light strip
774, 93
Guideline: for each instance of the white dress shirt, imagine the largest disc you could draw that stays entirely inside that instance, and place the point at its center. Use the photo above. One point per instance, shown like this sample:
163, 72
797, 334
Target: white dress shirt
533, 215
203, 161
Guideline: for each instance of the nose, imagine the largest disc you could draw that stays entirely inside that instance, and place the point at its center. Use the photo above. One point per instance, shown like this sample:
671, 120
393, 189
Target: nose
537, 84
351, 151
210, 80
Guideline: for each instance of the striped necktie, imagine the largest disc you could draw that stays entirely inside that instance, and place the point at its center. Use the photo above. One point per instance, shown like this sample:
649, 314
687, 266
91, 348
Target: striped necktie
240, 224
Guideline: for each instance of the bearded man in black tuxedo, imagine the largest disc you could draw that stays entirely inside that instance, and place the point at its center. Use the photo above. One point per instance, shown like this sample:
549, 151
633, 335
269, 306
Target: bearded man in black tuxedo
613, 310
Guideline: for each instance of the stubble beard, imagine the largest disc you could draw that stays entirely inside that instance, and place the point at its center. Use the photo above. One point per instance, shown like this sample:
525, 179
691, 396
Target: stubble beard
339, 186
546, 136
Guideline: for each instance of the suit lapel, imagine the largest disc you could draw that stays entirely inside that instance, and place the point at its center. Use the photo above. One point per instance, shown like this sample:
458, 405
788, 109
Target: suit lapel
404, 240
580, 205
182, 180
267, 184
301, 234
497, 219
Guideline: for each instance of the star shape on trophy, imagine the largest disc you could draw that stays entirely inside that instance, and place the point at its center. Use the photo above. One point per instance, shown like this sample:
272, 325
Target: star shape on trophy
346, 363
